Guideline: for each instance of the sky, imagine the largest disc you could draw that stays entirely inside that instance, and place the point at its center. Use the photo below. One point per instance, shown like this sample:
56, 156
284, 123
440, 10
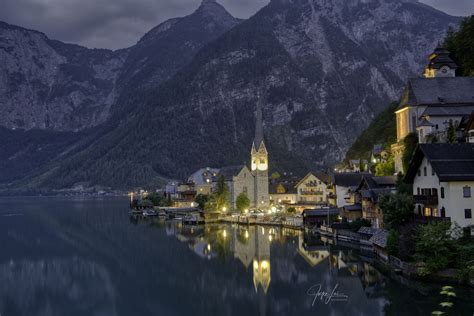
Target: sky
118, 24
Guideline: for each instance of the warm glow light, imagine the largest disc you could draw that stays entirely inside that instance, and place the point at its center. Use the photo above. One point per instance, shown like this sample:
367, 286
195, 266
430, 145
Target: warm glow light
209, 247
192, 204
270, 238
246, 211
265, 264
247, 234
224, 209
255, 265
224, 233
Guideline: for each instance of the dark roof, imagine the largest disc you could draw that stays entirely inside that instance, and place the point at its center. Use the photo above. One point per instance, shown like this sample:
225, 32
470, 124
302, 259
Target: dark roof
353, 208
229, 172
441, 91
386, 181
439, 58
321, 212
379, 238
450, 110
451, 162
368, 230
348, 179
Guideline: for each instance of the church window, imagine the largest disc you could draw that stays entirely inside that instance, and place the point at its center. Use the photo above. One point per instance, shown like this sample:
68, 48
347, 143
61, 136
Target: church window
466, 192
244, 189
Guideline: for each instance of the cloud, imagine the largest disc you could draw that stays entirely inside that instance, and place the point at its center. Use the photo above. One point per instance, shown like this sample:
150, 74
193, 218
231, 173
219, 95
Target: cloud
120, 23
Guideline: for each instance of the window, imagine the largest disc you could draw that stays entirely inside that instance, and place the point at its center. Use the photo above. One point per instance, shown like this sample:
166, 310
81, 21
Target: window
425, 172
418, 191
468, 213
419, 172
419, 210
466, 192
442, 193
443, 212
244, 189
432, 171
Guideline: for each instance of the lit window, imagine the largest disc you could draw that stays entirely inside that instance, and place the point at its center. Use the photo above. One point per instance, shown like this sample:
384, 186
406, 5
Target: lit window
466, 192
468, 213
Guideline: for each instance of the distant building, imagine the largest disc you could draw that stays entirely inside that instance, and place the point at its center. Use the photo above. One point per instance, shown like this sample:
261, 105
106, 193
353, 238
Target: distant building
283, 191
443, 182
429, 104
203, 180
379, 154
341, 187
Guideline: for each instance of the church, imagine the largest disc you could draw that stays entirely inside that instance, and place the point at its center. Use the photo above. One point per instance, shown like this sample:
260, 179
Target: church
252, 181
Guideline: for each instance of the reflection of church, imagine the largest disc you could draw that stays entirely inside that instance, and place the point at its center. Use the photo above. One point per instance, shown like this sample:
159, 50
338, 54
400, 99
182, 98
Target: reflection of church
251, 245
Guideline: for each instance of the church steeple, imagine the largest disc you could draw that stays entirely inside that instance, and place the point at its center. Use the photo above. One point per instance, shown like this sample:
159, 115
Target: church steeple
259, 151
440, 64
258, 140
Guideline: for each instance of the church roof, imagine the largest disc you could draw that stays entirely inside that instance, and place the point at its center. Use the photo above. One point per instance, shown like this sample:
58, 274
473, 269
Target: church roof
446, 91
425, 122
230, 172
439, 58
450, 110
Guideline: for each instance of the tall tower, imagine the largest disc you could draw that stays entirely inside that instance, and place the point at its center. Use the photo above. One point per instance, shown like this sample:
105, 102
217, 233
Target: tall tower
440, 64
259, 162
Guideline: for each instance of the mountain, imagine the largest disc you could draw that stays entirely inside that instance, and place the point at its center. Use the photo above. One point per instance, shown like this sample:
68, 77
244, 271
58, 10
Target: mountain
323, 68
47, 84
61, 97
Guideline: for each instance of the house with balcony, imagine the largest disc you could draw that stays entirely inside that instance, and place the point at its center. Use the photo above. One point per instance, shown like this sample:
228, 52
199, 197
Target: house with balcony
443, 182
283, 190
312, 190
342, 186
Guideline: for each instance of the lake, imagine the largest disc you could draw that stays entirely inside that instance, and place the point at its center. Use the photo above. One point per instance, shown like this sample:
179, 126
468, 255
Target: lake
89, 257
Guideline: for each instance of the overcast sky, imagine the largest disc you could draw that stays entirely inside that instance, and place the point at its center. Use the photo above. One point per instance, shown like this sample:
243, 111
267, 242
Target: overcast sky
120, 23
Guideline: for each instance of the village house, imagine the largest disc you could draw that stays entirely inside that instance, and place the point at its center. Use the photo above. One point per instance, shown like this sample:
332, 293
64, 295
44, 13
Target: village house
379, 154
341, 187
430, 105
204, 180
369, 191
283, 191
443, 182
312, 190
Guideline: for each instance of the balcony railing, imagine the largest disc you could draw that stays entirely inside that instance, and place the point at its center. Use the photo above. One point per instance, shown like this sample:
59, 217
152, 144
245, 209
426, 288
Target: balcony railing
429, 219
304, 192
426, 199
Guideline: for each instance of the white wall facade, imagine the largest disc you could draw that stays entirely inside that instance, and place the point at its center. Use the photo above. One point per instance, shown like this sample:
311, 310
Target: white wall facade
312, 190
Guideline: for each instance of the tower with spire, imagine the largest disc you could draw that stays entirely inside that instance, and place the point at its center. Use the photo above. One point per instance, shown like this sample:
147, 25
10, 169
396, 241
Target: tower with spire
259, 162
440, 64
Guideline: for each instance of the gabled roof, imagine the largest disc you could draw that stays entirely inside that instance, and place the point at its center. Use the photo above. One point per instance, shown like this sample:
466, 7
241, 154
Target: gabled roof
425, 122
353, 207
451, 162
321, 175
438, 91
379, 238
230, 172
348, 179
289, 187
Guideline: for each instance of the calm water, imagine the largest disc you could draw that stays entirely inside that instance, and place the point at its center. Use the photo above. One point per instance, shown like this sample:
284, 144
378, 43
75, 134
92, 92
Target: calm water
83, 257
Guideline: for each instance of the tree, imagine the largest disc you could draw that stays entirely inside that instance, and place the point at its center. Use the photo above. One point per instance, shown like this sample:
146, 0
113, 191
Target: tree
392, 242
451, 133
397, 209
221, 196
435, 246
242, 202
386, 168
410, 142
201, 200
461, 46
360, 222
275, 176
291, 210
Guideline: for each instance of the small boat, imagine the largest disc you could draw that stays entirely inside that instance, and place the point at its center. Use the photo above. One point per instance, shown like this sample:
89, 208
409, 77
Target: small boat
149, 213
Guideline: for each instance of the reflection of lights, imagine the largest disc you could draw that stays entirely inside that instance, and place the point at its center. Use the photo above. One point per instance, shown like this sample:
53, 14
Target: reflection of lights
247, 234
209, 247
279, 201
224, 233
208, 180
224, 209
270, 238
265, 264
192, 204
255, 265
263, 231
246, 211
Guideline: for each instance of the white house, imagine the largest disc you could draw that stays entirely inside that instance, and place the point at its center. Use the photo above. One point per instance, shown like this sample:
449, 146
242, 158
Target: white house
313, 188
342, 185
443, 182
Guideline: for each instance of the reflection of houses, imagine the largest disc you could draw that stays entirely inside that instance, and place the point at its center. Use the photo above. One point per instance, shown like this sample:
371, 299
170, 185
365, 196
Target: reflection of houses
313, 255
428, 104
443, 181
